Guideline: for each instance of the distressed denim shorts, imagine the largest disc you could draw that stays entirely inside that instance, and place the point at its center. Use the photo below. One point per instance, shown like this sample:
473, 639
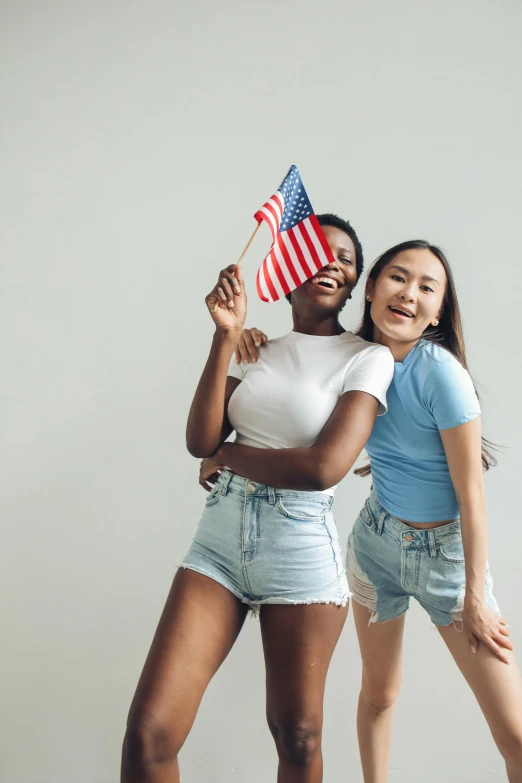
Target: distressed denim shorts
269, 546
389, 561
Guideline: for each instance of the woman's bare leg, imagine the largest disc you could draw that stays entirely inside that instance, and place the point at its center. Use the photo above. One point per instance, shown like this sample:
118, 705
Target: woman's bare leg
498, 689
198, 627
298, 642
381, 653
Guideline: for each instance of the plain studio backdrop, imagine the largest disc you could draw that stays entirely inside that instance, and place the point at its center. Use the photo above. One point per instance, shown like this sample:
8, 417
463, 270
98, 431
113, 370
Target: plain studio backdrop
137, 141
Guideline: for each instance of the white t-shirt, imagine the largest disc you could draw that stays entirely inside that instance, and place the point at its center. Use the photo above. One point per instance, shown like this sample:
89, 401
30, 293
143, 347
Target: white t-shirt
288, 395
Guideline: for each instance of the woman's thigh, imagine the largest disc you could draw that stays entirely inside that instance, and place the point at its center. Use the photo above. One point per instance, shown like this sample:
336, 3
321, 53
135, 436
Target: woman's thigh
298, 643
381, 652
497, 686
199, 625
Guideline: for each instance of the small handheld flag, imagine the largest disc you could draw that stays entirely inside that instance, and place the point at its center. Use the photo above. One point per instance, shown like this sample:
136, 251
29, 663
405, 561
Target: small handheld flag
299, 248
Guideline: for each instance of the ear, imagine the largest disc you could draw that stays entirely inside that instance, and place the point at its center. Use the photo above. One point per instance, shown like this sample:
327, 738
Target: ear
436, 321
370, 286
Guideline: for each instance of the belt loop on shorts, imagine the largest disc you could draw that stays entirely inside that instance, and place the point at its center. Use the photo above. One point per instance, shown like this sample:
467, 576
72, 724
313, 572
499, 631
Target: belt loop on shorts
271, 496
431, 543
379, 524
227, 477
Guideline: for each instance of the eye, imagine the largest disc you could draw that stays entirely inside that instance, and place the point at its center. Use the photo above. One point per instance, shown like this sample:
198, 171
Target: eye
399, 278
346, 260
427, 288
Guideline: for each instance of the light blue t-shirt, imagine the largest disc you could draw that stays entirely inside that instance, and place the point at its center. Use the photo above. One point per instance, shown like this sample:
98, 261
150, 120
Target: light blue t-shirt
430, 391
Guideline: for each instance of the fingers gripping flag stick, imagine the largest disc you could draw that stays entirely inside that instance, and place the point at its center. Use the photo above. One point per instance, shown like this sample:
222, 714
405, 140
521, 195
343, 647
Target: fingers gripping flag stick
299, 247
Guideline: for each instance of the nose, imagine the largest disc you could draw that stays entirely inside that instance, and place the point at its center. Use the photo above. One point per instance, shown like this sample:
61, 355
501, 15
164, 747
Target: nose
408, 293
333, 266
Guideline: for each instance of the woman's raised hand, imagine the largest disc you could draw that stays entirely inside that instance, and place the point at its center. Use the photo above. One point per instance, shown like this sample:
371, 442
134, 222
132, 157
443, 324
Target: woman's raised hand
227, 300
249, 342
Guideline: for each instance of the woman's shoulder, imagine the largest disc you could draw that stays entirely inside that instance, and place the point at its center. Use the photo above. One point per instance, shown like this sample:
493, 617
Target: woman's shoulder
439, 361
371, 351
443, 373
371, 370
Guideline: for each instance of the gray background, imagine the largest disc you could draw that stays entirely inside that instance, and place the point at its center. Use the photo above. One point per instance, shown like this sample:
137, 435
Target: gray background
137, 140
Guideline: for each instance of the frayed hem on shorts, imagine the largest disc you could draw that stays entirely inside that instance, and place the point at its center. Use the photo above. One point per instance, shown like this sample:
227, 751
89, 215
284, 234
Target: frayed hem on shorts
455, 618
255, 606
447, 625
374, 616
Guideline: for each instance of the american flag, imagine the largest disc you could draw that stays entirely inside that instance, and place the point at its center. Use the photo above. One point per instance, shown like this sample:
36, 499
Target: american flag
299, 247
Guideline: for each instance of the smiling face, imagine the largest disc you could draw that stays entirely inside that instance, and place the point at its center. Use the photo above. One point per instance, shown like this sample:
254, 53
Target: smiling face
407, 297
329, 289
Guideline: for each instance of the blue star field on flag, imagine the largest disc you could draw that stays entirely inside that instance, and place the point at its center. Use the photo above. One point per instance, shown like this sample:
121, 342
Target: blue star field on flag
297, 203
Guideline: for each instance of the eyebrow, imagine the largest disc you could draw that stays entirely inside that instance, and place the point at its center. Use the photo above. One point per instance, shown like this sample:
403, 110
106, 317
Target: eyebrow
406, 272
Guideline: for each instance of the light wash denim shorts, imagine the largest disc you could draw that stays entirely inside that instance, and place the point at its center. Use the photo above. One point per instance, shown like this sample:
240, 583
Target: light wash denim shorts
269, 546
389, 561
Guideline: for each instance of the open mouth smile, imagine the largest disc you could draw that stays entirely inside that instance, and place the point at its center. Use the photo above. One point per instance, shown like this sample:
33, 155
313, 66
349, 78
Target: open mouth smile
325, 282
400, 313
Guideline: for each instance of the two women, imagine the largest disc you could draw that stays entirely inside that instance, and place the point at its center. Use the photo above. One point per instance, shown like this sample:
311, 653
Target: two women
303, 414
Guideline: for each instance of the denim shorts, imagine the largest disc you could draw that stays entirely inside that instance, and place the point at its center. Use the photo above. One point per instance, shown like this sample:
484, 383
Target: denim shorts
269, 546
389, 561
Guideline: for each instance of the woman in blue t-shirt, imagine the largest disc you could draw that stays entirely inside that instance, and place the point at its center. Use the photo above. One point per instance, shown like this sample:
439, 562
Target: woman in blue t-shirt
422, 532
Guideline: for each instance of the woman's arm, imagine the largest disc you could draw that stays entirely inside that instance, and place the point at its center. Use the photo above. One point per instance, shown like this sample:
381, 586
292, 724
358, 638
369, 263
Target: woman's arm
462, 445
316, 467
208, 423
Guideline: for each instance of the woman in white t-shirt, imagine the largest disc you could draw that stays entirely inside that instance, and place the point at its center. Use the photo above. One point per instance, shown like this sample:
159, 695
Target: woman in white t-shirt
315, 394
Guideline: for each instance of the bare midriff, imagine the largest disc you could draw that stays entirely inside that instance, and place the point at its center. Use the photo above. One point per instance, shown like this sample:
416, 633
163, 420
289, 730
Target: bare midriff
426, 525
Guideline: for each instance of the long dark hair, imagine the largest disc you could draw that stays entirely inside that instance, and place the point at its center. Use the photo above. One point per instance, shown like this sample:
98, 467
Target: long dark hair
448, 334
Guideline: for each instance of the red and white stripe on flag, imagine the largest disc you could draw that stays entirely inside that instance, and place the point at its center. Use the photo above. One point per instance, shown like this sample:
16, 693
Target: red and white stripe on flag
297, 253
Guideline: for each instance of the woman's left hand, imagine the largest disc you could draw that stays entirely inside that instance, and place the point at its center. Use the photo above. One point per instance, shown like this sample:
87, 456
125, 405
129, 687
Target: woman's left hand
482, 624
209, 472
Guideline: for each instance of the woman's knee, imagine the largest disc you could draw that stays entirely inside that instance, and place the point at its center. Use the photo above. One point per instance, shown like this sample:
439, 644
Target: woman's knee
148, 742
299, 740
511, 748
379, 698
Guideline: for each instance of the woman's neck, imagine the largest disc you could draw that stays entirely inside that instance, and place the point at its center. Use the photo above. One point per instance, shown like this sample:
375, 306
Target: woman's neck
322, 327
399, 350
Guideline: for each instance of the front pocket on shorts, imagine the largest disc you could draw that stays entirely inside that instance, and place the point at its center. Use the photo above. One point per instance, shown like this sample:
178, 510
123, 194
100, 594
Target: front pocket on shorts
213, 496
304, 509
452, 550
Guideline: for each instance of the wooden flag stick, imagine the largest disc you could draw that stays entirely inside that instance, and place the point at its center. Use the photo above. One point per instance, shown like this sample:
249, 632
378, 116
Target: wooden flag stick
248, 244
